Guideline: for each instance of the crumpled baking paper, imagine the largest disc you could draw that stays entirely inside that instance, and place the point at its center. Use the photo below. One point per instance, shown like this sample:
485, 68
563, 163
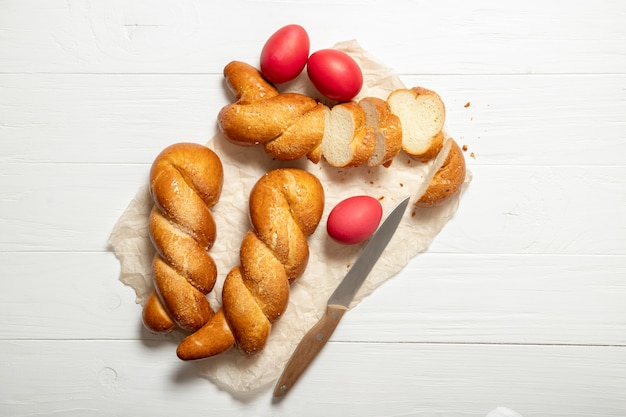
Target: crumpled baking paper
329, 261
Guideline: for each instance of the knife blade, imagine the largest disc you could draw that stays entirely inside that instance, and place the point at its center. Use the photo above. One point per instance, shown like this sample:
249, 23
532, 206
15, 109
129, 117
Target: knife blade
315, 339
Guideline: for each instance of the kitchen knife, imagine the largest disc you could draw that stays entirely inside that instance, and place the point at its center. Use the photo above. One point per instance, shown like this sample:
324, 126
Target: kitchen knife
315, 339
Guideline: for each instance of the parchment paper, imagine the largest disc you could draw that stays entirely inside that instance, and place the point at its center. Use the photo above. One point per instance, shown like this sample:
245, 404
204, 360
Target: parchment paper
329, 261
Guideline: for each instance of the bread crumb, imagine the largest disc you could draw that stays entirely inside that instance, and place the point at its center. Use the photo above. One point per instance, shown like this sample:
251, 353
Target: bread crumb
464, 147
467, 104
401, 185
473, 155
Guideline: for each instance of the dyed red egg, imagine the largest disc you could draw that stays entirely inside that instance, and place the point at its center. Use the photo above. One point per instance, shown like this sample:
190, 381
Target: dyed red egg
285, 54
354, 219
335, 74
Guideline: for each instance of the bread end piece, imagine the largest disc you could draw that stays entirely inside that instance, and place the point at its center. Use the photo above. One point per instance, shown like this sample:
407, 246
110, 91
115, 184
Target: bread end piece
213, 338
154, 316
448, 177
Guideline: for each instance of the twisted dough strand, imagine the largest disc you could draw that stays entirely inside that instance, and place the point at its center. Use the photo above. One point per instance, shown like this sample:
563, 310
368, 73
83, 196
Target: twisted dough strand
185, 182
288, 126
286, 206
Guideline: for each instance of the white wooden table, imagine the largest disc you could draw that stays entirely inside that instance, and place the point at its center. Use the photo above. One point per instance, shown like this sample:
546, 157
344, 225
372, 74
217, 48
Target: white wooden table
520, 302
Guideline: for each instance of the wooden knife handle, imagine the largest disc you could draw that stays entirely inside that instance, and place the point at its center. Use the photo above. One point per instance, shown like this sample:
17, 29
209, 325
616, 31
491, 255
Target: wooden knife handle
308, 348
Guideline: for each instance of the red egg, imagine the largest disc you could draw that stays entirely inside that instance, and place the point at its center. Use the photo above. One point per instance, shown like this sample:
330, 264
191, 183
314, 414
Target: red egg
335, 74
285, 54
354, 219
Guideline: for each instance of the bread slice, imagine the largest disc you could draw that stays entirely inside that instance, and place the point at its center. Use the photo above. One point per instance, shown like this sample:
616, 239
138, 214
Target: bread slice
387, 131
347, 140
445, 179
422, 114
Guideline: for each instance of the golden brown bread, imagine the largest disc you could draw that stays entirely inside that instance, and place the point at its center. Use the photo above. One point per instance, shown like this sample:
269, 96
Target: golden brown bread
449, 175
387, 131
292, 125
286, 206
185, 182
288, 126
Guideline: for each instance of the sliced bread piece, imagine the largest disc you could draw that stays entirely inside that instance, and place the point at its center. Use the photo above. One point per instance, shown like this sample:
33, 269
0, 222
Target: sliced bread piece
347, 141
422, 114
387, 131
446, 177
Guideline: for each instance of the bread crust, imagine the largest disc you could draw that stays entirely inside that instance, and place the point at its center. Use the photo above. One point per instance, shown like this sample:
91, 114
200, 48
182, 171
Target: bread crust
288, 125
387, 130
185, 183
448, 179
292, 125
285, 206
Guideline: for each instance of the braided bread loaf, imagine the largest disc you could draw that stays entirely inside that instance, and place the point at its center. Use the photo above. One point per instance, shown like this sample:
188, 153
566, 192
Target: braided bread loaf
286, 206
288, 126
185, 182
291, 125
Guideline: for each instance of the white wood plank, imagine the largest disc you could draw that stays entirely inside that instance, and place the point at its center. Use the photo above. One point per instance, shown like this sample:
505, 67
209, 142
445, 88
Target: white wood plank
96, 118
513, 120
54, 207
65, 295
539, 210
523, 209
196, 37
439, 298
535, 299
98, 378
